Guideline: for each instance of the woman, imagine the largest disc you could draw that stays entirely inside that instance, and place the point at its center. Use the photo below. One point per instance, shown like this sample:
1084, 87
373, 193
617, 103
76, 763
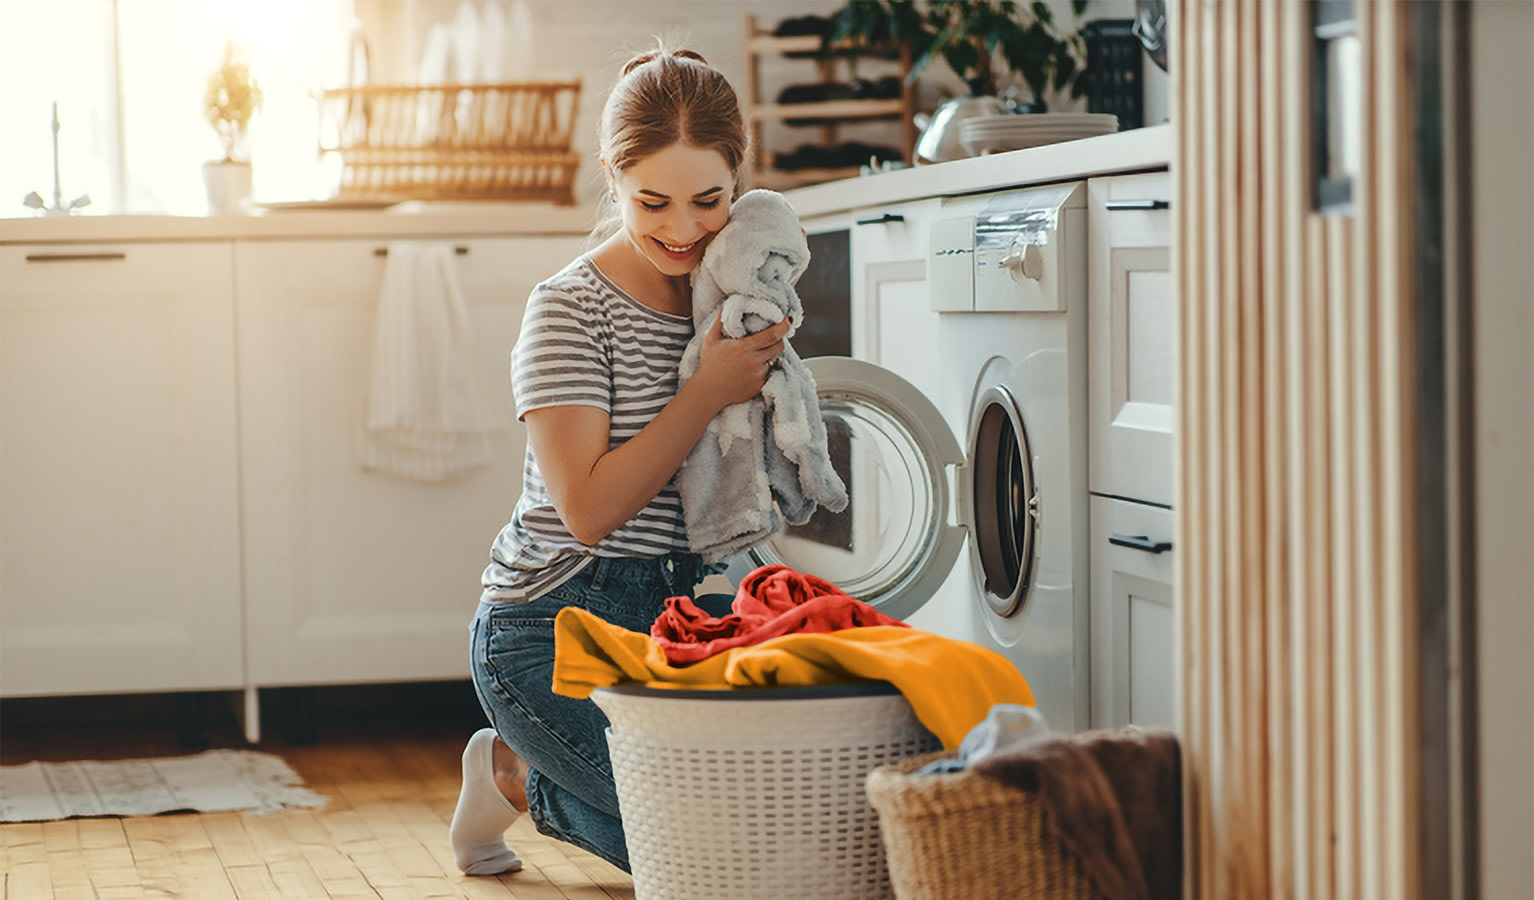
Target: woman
599, 524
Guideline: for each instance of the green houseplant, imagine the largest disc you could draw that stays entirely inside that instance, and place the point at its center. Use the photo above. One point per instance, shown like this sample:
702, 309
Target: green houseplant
987, 43
231, 101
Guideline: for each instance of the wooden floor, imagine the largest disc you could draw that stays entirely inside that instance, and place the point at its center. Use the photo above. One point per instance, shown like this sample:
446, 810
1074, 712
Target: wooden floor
387, 759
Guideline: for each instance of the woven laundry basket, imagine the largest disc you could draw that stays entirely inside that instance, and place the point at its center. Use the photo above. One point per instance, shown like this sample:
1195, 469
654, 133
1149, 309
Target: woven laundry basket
756, 794
962, 836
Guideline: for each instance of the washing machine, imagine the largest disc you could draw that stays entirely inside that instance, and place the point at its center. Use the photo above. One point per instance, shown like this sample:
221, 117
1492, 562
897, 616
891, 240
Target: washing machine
968, 511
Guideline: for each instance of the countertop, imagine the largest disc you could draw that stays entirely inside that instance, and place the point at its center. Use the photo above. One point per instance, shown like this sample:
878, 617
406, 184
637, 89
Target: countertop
1140, 150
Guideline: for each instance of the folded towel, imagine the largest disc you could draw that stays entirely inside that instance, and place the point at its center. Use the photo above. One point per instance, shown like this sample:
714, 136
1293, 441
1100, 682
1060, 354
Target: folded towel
428, 417
950, 684
763, 461
771, 601
1115, 798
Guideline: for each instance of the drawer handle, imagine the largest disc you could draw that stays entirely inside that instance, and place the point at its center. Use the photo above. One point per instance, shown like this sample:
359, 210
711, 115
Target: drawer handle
76, 257
1140, 542
1136, 205
461, 250
881, 220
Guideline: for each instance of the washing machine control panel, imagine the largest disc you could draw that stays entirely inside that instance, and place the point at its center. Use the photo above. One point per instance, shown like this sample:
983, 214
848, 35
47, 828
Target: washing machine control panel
1015, 251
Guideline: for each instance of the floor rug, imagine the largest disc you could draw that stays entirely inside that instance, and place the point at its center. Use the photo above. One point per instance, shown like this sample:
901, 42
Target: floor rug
215, 781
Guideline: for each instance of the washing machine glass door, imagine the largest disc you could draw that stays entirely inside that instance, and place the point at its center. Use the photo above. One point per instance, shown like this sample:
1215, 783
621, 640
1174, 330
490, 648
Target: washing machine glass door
1002, 505
895, 543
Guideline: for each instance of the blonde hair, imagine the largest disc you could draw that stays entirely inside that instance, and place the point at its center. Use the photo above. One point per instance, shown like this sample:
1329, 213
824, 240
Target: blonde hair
666, 97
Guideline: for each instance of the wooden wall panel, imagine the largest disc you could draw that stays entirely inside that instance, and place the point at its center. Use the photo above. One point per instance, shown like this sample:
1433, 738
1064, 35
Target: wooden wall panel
1294, 466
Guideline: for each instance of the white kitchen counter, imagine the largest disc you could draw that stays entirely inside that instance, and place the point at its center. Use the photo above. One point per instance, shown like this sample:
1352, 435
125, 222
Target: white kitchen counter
1130, 151
408, 220
1143, 149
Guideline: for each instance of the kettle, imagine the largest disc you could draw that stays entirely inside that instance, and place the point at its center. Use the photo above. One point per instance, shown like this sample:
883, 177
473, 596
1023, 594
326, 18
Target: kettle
939, 141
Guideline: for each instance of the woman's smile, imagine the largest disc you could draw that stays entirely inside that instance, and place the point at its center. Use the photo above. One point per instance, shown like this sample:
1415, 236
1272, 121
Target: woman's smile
672, 203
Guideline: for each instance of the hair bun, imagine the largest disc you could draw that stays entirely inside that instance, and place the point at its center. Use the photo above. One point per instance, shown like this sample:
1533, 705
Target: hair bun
640, 60
652, 55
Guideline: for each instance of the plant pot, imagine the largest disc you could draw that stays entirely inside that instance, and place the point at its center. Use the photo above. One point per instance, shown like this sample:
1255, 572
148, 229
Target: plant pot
228, 186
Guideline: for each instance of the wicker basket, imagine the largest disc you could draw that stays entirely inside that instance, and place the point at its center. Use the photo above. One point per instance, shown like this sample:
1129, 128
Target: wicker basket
962, 836
756, 794
456, 141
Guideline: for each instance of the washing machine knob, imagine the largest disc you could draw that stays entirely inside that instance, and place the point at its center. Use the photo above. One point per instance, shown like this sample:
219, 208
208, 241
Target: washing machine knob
1024, 260
1033, 262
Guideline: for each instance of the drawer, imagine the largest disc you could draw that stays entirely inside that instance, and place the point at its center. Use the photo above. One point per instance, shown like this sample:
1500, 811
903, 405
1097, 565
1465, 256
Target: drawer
1134, 646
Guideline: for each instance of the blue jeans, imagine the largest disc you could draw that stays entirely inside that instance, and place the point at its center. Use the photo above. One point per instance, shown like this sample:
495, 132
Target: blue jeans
570, 791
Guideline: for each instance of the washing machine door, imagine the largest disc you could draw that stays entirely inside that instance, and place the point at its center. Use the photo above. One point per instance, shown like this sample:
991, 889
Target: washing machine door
894, 544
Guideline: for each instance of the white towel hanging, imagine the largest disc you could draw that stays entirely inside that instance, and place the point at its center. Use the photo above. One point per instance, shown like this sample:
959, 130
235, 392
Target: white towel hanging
428, 415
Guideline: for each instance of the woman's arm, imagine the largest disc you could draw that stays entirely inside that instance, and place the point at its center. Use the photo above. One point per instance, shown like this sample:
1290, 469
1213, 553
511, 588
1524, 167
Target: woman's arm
596, 490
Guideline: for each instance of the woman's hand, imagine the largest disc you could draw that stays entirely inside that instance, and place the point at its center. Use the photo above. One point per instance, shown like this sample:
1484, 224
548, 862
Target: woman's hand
733, 370
597, 489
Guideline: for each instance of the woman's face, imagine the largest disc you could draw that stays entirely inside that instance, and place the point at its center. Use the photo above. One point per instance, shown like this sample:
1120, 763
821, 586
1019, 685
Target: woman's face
672, 203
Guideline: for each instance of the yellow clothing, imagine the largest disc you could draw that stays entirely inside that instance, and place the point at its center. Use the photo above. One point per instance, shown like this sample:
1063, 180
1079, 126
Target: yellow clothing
950, 684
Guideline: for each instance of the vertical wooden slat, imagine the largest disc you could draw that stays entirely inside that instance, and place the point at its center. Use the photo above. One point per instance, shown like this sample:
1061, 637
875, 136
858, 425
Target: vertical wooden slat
1253, 461
1280, 706
1187, 213
1292, 535
1236, 809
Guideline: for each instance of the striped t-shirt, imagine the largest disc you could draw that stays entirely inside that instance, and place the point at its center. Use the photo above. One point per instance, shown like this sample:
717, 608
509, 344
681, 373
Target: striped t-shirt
584, 342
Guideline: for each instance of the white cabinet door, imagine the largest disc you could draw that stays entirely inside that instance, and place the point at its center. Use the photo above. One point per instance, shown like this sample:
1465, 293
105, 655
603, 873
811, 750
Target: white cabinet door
1134, 657
118, 485
1132, 342
353, 575
893, 323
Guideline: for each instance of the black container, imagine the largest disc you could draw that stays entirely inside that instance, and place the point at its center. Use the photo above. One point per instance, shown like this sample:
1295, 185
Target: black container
1115, 71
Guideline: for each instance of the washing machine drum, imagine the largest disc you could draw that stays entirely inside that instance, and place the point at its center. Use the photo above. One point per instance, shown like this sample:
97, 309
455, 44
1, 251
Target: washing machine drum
897, 541
1004, 513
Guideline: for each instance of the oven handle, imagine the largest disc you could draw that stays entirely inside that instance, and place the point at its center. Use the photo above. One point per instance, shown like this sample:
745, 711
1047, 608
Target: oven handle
881, 220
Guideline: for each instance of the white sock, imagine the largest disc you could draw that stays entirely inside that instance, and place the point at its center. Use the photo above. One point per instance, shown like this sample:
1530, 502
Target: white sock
483, 814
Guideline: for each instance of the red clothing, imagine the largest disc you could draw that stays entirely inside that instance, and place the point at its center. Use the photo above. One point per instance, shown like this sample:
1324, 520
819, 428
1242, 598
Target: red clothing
771, 601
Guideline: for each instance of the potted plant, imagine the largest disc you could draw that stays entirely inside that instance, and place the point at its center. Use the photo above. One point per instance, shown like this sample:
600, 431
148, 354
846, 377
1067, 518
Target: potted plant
989, 44
985, 42
232, 100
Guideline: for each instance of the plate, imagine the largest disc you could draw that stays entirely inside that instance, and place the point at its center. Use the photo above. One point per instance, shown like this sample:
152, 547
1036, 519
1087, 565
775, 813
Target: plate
979, 145
358, 203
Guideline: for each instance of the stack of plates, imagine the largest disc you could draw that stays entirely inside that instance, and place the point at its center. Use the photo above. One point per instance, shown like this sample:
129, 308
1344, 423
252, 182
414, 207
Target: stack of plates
998, 133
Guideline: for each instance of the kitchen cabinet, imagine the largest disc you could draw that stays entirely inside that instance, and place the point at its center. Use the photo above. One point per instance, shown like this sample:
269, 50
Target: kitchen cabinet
1134, 661
183, 509
1132, 370
120, 515
353, 575
893, 319
1132, 329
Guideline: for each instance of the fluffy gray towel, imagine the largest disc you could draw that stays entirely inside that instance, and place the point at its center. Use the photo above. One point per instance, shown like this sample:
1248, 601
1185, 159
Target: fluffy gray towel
772, 447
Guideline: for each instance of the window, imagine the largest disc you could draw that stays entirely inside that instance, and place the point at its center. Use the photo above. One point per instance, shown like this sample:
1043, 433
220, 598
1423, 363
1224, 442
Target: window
129, 78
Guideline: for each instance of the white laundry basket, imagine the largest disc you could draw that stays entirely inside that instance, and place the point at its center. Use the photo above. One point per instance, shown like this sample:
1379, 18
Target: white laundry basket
756, 794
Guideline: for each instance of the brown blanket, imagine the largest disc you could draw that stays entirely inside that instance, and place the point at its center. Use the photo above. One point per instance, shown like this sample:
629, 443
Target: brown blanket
1115, 799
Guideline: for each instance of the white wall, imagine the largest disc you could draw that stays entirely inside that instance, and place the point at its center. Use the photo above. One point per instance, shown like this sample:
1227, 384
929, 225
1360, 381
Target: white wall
592, 39
1502, 82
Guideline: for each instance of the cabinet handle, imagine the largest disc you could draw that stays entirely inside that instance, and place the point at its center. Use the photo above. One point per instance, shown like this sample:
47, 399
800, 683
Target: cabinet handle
76, 257
1140, 542
461, 250
881, 220
1137, 205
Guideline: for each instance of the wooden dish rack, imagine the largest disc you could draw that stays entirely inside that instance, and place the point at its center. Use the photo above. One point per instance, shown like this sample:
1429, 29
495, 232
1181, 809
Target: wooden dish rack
508, 141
